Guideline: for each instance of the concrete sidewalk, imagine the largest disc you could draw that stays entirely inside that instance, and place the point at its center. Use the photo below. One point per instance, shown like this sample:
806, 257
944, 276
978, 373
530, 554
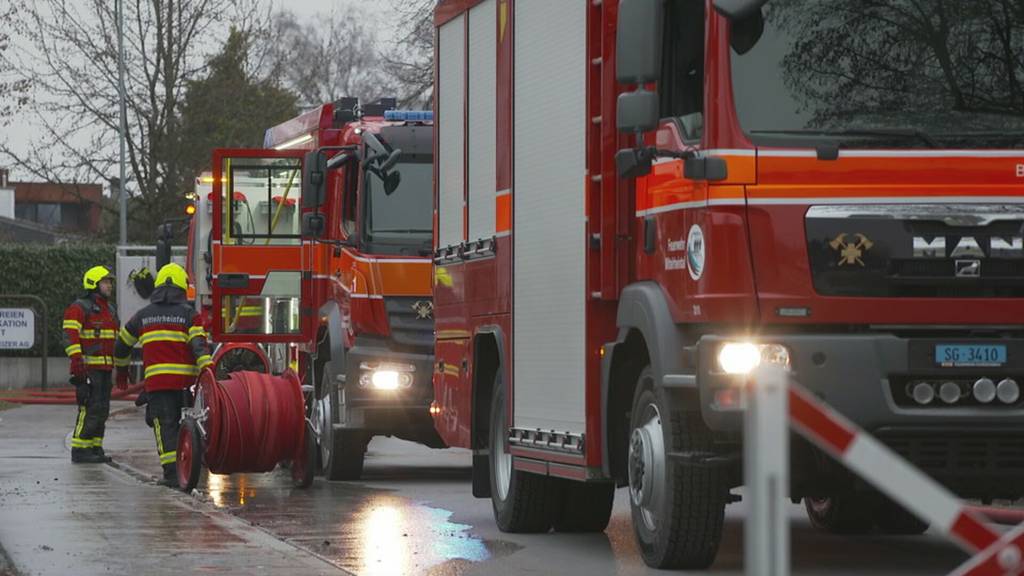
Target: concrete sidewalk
58, 518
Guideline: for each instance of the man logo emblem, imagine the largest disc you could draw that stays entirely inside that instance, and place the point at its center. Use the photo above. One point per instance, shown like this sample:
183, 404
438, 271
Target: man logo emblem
968, 268
424, 309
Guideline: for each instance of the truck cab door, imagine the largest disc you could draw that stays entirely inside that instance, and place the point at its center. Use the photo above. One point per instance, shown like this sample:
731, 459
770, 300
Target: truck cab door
261, 269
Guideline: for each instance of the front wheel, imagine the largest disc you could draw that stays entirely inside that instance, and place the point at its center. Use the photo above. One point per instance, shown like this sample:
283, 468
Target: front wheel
522, 502
677, 507
845, 512
341, 451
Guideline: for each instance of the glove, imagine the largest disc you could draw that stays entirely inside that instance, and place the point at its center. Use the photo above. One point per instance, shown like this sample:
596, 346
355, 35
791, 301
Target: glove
83, 391
121, 377
78, 367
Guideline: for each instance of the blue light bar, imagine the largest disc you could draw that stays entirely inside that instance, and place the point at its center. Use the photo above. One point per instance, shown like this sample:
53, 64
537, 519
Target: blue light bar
409, 115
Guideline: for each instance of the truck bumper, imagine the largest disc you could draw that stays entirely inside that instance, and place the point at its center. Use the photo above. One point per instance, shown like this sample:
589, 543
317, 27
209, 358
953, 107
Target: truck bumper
404, 412
973, 447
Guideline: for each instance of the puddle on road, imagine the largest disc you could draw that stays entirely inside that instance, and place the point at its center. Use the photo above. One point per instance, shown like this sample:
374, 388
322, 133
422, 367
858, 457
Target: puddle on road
367, 531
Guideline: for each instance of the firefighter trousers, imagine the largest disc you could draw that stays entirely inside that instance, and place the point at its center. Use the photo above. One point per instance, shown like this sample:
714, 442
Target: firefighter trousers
93, 410
163, 413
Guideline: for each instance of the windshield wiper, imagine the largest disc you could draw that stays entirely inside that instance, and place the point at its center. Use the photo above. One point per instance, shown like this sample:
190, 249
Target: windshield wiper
905, 133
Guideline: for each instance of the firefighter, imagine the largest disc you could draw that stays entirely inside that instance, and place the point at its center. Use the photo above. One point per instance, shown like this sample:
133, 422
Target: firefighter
174, 350
90, 327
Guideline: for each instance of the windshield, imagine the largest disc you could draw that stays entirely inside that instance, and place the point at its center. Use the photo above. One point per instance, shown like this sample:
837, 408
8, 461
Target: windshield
406, 216
917, 73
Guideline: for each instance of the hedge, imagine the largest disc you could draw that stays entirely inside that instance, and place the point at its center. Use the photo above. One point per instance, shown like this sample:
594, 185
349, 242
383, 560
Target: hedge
53, 273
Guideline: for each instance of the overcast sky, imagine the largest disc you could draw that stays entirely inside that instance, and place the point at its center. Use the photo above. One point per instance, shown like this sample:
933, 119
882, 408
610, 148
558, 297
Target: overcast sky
376, 10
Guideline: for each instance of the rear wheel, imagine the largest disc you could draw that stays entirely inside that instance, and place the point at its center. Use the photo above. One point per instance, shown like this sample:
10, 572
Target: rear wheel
847, 512
522, 502
190, 455
582, 506
341, 451
677, 507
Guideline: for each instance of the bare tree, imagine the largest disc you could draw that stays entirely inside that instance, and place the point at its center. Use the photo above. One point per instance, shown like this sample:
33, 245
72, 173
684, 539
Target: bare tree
324, 58
15, 88
410, 60
65, 57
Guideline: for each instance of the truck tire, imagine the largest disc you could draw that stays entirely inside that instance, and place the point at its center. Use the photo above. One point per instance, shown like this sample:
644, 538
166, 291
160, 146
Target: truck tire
677, 507
846, 512
895, 519
583, 506
522, 502
341, 451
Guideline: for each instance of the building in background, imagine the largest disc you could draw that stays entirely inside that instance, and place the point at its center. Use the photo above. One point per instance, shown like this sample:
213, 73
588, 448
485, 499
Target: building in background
48, 211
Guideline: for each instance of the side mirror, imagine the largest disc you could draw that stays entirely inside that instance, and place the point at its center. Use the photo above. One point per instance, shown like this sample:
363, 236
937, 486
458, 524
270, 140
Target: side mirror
391, 160
637, 111
736, 10
314, 172
313, 225
747, 32
164, 240
633, 162
638, 41
391, 182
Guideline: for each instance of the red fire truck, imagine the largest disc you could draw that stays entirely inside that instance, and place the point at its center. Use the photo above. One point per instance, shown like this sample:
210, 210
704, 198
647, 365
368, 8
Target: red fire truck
637, 202
319, 252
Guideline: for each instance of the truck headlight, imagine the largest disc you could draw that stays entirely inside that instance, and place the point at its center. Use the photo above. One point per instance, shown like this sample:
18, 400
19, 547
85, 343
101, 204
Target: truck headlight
742, 358
385, 375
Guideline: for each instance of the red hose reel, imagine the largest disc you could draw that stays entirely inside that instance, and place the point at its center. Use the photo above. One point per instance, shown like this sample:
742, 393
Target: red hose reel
248, 422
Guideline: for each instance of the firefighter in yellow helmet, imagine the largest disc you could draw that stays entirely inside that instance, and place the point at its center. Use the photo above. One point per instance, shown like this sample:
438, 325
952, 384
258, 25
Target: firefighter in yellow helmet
174, 349
90, 327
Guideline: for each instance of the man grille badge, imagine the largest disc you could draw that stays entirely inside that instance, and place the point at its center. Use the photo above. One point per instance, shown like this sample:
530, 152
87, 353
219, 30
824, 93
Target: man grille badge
968, 268
424, 309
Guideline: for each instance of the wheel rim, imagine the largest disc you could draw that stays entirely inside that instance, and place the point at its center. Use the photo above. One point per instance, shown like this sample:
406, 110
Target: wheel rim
819, 506
502, 459
185, 455
321, 420
647, 467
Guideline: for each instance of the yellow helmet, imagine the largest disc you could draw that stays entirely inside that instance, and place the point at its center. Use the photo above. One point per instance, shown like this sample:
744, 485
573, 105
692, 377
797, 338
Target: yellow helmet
94, 275
172, 274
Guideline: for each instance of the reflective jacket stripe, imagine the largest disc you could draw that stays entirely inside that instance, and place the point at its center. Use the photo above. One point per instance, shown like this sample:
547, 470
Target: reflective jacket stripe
175, 369
72, 325
127, 337
73, 349
163, 336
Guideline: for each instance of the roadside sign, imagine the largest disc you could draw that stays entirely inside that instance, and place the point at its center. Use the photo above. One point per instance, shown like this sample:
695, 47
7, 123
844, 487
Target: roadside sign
17, 328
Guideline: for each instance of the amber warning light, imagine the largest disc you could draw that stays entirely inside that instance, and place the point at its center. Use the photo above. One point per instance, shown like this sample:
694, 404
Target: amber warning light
190, 209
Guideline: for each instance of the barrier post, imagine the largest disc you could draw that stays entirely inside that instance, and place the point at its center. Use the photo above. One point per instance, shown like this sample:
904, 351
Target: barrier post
766, 472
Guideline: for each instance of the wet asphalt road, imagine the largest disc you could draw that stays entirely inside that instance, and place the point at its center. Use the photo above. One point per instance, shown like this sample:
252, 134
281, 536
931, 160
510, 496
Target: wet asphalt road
413, 514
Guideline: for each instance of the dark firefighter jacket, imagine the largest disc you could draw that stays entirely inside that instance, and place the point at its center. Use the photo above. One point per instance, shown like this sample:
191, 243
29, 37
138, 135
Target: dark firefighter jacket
174, 347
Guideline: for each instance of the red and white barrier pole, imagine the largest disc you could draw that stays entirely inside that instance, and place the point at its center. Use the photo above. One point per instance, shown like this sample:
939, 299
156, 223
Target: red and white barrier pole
770, 395
887, 471
766, 473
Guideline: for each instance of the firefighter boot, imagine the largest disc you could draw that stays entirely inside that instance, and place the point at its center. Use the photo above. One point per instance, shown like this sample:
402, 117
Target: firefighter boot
86, 456
170, 478
98, 451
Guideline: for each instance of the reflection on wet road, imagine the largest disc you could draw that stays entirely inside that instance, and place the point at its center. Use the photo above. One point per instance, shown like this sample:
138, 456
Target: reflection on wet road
368, 531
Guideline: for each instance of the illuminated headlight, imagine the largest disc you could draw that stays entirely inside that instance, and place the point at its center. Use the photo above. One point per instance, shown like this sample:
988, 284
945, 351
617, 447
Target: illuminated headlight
741, 358
386, 376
